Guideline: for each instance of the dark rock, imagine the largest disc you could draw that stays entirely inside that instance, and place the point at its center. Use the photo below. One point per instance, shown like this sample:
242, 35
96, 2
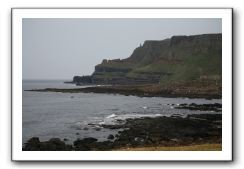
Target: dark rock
103, 146
34, 140
216, 107
54, 144
112, 126
168, 131
119, 121
85, 128
110, 137
97, 128
82, 80
85, 145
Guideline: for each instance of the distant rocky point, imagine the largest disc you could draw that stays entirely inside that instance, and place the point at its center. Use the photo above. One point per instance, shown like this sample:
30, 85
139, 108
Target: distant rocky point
180, 59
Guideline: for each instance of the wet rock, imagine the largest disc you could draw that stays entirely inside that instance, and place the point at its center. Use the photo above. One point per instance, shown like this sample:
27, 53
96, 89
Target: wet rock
103, 146
119, 121
216, 107
89, 139
119, 126
97, 128
210, 117
85, 128
110, 137
91, 124
54, 144
34, 140
85, 144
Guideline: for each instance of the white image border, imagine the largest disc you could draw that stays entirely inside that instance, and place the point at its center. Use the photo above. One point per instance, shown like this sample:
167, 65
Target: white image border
224, 155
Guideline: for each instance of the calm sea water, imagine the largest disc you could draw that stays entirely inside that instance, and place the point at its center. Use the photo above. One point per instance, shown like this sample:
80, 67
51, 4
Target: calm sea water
78, 115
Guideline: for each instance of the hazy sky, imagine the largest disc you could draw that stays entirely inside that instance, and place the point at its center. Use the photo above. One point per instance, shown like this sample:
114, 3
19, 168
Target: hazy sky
62, 48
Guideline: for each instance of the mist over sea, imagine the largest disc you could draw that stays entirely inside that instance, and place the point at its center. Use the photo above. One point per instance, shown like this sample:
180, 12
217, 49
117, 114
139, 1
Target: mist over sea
78, 115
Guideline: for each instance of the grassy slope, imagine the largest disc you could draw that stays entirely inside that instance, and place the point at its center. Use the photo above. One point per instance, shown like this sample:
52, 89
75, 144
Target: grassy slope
194, 63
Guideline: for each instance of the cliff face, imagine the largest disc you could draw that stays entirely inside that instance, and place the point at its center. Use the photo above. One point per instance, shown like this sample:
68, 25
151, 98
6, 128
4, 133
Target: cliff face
178, 59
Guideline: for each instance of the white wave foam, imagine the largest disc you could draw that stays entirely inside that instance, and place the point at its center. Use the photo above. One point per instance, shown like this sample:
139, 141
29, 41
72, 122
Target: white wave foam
101, 123
158, 115
111, 116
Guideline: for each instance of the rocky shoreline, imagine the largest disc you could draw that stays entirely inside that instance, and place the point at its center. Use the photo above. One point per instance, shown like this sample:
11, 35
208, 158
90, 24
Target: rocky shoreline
216, 107
176, 131
142, 91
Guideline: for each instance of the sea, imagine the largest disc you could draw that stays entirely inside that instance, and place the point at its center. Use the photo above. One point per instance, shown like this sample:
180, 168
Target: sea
72, 116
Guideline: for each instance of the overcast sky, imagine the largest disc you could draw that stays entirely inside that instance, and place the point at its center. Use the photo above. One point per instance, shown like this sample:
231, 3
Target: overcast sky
62, 48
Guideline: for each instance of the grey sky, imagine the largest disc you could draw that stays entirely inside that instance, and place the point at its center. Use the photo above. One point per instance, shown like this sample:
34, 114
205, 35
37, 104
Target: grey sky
62, 48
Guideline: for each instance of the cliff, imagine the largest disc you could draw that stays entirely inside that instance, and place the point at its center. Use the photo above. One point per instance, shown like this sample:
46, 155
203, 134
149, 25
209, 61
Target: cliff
179, 59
